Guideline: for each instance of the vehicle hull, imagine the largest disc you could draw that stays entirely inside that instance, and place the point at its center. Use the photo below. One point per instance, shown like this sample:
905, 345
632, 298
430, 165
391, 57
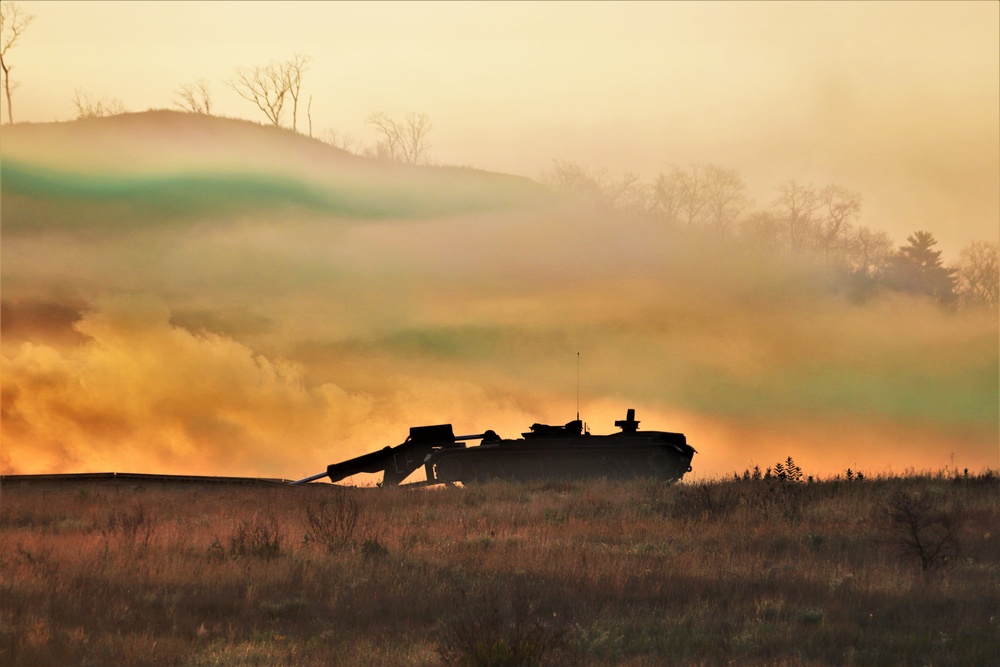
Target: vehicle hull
584, 457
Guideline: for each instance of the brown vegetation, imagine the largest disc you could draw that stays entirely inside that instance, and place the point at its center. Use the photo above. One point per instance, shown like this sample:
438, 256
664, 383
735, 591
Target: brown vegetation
746, 571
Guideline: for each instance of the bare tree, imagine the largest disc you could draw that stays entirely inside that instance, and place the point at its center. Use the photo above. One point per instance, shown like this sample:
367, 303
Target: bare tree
665, 196
309, 115
13, 23
920, 527
90, 108
869, 253
762, 230
293, 70
400, 141
691, 186
572, 177
416, 127
699, 196
679, 196
389, 144
796, 206
345, 141
842, 208
979, 274
629, 194
195, 97
725, 197
266, 86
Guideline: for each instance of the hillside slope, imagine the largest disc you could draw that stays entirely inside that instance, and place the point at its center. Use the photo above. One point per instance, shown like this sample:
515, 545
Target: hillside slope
168, 165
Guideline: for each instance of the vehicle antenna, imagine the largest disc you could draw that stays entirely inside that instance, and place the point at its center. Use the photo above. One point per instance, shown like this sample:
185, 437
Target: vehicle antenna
578, 386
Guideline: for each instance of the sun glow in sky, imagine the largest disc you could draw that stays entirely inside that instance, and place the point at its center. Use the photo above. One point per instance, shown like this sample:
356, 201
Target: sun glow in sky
193, 294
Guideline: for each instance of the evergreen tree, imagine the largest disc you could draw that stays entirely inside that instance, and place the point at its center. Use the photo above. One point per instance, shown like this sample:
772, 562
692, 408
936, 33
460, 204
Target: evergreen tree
917, 268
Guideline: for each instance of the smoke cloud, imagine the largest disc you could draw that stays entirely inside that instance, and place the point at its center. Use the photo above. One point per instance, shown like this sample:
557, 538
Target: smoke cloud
272, 336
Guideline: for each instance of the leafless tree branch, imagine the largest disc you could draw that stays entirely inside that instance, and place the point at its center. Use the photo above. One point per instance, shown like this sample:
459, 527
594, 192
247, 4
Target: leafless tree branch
265, 86
268, 86
13, 23
195, 97
91, 108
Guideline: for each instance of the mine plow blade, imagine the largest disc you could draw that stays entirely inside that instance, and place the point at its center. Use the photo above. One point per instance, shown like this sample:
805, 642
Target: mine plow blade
399, 462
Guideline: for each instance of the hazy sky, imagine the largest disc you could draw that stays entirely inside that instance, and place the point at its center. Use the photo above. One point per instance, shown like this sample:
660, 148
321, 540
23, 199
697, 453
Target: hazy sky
170, 305
899, 101
163, 312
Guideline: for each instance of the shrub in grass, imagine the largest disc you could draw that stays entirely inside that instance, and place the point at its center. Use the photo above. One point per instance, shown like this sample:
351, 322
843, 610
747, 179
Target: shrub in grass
333, 519
502, 628
131, 531
921, 528
256, 537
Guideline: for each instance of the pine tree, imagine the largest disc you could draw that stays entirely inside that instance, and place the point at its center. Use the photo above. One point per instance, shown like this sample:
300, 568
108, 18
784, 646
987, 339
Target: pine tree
917, 268
788, 472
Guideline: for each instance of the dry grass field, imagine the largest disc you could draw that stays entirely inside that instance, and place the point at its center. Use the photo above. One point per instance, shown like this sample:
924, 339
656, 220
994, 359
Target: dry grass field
894, 570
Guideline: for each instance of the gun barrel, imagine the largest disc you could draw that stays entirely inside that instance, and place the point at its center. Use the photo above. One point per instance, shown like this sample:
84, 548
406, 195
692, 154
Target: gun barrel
309, 479
478, 436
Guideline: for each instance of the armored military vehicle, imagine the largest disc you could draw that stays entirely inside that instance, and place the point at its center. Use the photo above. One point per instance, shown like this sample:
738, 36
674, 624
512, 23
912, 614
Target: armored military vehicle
544, 452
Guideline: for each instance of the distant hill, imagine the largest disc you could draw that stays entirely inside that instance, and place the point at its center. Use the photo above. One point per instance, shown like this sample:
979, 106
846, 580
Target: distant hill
158, 139
164, 165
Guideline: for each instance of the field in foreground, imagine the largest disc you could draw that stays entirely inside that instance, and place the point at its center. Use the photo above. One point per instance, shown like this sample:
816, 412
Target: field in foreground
889, 571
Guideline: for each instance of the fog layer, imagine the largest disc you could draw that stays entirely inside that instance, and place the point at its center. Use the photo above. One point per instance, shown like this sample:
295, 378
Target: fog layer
177, 323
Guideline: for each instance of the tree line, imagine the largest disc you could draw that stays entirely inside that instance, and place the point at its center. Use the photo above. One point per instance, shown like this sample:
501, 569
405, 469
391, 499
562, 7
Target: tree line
801, 218
712, 199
